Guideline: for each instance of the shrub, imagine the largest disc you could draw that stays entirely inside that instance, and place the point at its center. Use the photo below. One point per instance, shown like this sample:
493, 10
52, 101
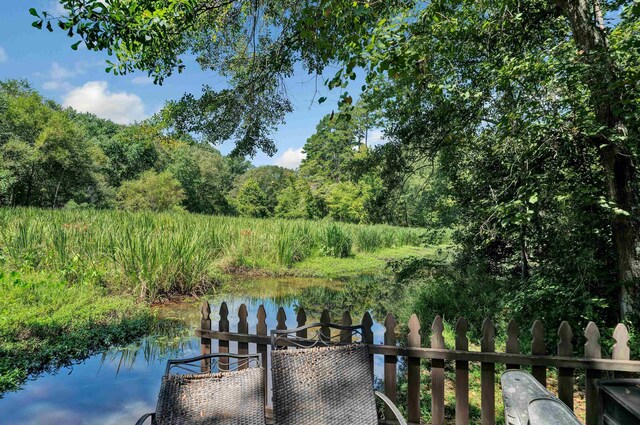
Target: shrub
152, 191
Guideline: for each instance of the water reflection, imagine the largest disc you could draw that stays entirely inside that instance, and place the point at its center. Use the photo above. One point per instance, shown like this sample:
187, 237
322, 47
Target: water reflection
118, 386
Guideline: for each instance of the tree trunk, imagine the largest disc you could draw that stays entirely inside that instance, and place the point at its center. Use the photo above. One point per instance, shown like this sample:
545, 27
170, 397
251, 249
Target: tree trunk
616, 158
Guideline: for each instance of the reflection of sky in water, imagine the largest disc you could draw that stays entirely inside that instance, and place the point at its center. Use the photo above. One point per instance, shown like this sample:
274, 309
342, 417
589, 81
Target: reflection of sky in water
117, 388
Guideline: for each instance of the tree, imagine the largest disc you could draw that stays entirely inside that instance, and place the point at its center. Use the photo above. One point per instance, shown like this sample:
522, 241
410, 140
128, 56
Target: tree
526, 74
203, 174
251, 200
152, 191
131, 152
333, 146
46, 160
271, 179
297, 201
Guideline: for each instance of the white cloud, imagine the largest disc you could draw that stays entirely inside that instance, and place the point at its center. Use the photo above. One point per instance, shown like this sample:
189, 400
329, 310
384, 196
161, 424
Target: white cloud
3, 55
291, 158
142, 80
57, 8
94, 97
57, 85
57, 76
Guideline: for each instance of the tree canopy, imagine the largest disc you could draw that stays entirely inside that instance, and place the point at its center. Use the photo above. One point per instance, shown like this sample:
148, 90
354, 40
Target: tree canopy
528, 109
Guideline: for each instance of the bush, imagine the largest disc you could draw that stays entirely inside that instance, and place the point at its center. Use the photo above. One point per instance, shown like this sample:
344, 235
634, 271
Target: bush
152, 191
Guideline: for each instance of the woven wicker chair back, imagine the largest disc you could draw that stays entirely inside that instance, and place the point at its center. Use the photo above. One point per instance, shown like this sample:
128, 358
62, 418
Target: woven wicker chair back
323, 386
225, 398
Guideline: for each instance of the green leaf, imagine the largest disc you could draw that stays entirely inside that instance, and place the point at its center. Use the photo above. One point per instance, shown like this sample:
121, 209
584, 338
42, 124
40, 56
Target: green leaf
322, 99
49, 26
74, 46
33, 12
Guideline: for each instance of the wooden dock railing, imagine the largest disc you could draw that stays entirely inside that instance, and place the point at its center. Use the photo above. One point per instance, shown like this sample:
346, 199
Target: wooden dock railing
592, 363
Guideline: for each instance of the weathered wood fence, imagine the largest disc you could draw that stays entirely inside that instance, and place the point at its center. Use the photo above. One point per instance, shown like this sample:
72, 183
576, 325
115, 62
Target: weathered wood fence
592, 363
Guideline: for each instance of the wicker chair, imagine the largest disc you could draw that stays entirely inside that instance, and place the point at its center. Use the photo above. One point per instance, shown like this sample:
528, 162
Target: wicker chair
323, 381
234, 396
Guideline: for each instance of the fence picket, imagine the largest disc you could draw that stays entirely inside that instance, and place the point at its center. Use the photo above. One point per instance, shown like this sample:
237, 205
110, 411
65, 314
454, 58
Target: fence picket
513, 341
243, 328
592, 350
261, 329
367, 334
488, 376
301, 319
413, 372
538, 347
281, 318
462, 374
565, 375
390, 362
621, 347
325, 332
223, 346
437, 374
346, 335
205, 343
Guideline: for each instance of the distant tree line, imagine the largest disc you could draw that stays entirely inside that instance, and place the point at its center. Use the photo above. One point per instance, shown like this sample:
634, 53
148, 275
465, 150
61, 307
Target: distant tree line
54, 157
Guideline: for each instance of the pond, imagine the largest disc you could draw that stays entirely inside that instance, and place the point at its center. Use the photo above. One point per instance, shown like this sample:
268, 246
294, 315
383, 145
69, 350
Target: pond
118, 386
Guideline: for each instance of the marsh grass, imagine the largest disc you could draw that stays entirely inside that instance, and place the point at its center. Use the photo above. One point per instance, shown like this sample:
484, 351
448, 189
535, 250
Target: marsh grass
152, 255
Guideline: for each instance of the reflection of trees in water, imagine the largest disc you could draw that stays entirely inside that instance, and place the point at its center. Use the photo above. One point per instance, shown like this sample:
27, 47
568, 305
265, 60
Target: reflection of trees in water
172, 334
168, 338
378, 294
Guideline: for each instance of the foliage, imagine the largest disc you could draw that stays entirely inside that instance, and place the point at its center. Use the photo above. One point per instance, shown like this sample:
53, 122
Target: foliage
203, 174
337, 242
271, 180
152, 191
43, 158
48, 324
251, 200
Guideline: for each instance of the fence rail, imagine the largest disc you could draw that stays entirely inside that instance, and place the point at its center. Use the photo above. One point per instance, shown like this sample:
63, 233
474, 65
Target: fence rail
565, 361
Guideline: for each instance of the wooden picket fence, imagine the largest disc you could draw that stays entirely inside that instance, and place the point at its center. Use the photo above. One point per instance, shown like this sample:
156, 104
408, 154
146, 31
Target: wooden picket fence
592, 363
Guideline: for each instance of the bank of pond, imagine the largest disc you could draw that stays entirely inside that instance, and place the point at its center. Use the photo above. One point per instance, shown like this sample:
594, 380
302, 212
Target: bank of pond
121, 383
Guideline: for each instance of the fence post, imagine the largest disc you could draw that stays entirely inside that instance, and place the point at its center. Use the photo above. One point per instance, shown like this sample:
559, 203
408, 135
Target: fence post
565, 375
437, 374
462, 374
243, 328
390, 381
223, 326
538, 347
592, 350
261, 329
621, 348
488, 376
205, 343
513, 342
413, 373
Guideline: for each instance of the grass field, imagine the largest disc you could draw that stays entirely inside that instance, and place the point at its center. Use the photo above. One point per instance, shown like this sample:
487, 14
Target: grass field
151, 255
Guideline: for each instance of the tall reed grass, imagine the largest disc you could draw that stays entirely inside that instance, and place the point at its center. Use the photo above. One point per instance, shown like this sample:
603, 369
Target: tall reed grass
152, 254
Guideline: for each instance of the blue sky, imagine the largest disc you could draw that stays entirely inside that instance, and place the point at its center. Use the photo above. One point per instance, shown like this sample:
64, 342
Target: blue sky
78, 79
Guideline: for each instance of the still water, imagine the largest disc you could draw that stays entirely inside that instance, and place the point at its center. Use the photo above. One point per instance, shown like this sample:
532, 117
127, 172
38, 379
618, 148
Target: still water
118, 386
